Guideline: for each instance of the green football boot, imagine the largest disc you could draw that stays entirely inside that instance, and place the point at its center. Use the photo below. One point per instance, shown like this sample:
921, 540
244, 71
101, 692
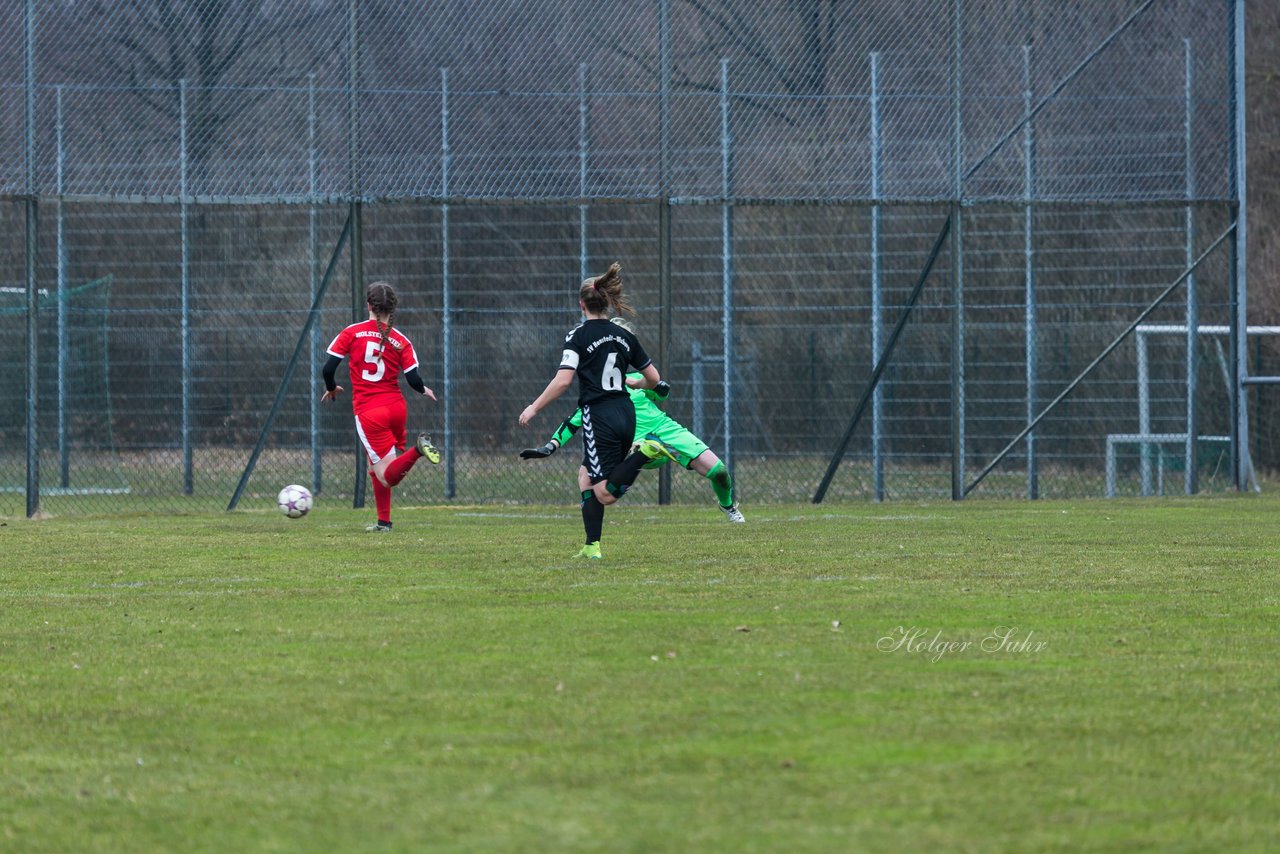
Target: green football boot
427, 449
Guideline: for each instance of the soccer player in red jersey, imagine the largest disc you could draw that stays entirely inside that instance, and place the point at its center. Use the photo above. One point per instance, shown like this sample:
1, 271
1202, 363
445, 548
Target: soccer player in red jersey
377, 354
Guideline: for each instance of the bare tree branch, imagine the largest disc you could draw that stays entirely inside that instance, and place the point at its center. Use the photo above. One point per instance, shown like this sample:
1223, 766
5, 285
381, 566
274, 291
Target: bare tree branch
743, 36
683, 80
153, 44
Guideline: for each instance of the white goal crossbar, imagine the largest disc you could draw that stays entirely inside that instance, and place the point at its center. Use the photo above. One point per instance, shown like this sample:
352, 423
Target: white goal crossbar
1144, 438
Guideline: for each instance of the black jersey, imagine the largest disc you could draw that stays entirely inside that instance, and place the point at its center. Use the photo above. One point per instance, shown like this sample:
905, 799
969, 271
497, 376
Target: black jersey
602, 353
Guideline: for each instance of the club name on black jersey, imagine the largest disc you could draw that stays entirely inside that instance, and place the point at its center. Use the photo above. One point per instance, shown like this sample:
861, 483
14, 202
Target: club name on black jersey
601, 353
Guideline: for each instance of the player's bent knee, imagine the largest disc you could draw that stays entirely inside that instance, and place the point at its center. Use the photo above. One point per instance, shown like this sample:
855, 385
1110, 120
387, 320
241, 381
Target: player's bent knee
705, 463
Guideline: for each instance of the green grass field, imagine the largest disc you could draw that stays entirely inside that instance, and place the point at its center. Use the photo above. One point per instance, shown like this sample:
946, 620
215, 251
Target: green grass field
823, 678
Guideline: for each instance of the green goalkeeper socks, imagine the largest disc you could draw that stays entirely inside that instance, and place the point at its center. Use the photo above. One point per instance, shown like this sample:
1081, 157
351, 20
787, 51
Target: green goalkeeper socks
722, 484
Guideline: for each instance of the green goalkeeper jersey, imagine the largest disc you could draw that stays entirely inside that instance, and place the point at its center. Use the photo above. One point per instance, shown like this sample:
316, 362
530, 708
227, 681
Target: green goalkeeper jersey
650, 422
648, 415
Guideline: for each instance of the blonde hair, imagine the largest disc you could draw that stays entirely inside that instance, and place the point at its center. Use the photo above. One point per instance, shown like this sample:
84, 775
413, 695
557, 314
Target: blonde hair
602, 293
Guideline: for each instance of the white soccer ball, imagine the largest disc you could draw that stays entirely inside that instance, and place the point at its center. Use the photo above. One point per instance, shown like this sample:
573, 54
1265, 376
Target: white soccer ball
294, 501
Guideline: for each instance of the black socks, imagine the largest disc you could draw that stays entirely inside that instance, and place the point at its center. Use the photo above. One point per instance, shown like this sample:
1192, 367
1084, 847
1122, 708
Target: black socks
625, 473
592, 515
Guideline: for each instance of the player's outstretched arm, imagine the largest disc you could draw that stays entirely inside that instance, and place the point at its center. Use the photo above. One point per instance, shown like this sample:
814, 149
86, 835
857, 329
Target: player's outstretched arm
567, 428
649, 377
563, 434
559, 385
329, 373
658, 393
414, 379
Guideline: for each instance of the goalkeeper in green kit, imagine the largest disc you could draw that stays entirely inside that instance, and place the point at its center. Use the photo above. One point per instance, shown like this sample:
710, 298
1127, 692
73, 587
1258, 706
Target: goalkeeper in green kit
652, 423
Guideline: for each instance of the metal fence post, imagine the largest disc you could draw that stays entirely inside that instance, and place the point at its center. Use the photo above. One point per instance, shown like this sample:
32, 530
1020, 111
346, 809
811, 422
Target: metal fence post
359, 311
1029, 272
1144, 411
64, 450
665, 330
957, 354
726, 254
582, 172
1239, 278
877, 294
666, 315
313, 274
696, 390
1190, 471
355, 191
33, 377
188, 485
32, 246
957, 273
446, 284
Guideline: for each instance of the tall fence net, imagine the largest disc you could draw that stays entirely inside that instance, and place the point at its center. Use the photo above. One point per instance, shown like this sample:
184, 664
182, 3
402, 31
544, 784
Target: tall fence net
773, 178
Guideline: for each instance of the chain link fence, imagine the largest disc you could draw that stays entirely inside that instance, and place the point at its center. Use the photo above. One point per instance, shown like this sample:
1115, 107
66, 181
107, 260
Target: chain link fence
773, 178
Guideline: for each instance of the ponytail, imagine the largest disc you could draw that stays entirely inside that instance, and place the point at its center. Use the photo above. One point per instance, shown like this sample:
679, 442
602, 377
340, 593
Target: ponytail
382, 301
603, 293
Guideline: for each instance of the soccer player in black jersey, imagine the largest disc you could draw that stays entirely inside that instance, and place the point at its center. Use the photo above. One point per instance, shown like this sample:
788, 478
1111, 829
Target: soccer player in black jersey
600, 354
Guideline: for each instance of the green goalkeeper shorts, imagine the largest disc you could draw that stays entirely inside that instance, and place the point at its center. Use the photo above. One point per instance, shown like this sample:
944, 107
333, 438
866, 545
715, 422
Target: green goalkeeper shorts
673, 434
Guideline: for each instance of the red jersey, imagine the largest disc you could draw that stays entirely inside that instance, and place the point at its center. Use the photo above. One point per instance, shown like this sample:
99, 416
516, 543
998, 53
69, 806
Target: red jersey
375, 370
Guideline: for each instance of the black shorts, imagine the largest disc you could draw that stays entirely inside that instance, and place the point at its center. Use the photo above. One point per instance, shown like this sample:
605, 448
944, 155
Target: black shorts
608, 429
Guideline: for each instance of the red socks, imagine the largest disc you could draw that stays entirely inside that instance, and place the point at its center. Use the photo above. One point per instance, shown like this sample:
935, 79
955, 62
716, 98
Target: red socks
394, 473
382, 499
400, 466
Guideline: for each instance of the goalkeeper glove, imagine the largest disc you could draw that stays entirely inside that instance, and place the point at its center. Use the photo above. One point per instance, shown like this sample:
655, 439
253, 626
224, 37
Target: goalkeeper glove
539, 453
659, 392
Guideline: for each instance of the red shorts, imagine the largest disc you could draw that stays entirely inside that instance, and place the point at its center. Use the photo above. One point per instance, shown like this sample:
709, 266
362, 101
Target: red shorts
381, 428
